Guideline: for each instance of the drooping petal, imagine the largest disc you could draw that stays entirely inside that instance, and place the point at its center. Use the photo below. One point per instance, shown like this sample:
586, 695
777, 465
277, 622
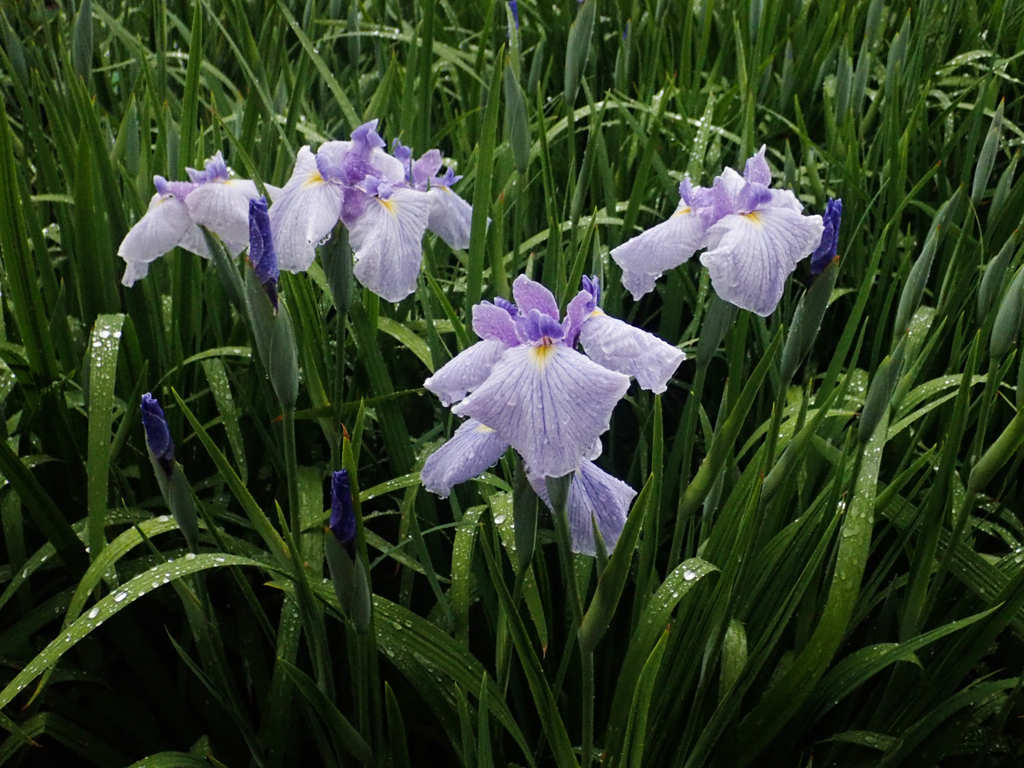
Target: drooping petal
639, 283
493, 322
222, 206
472, 449
465, 372
303, 214
529, 294
387, 240
165, 225
623, 348
592, 492
550, 402
451, 217
751, 255
660, 248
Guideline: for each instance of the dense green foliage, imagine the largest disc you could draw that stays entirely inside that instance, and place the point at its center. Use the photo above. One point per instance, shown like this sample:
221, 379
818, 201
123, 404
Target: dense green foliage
827, 566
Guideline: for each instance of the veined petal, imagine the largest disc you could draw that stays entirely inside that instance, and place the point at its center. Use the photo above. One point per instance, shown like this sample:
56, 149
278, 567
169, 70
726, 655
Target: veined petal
472, 449
223, 207
592, 492
493, 322
450, 217
303, 214
784, 198
756, 170
751, 255
660, 248
529, 294
623, 348
639, 283
387, 240
550, 402
465, 372
165, 225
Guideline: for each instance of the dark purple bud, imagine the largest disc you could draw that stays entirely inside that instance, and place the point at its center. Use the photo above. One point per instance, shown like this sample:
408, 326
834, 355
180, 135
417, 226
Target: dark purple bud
343, 515
261, 248
592, 286
514, 6
625, 32
158, 435
826, 251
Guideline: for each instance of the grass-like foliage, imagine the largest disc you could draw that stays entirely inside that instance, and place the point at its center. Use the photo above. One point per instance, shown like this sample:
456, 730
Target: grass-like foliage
822, 563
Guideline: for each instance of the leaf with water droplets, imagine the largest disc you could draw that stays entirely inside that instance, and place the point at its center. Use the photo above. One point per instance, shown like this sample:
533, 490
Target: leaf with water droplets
105, 343
109, 606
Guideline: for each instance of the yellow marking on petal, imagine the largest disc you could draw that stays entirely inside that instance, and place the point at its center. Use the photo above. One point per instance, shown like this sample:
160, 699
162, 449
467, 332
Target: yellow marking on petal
681, 211
597, 312
754, 217
483, 429
389, 205
314, 178
540, 355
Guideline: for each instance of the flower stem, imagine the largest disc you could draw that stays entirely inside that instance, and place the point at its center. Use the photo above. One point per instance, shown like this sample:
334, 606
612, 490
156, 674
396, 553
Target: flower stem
587, 664
291, 466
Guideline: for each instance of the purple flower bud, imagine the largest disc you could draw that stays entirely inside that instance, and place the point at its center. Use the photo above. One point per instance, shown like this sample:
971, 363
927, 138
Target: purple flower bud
261, 248
826, 251
514, 6
158, 436
343, 516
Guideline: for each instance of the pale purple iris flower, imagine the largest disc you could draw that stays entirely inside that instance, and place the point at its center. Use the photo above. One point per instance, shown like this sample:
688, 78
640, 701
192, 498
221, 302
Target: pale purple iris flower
384, 202
524, 385
754, 236
212, 198
450, 215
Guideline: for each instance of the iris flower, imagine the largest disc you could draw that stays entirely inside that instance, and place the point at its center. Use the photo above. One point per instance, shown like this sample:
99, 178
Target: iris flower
524, 385
384, 202
450, 215
754, 235
212, 198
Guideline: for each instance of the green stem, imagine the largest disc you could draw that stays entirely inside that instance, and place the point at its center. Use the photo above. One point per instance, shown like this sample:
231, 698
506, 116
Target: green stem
686, 434
338, 396
587, 664
291, 465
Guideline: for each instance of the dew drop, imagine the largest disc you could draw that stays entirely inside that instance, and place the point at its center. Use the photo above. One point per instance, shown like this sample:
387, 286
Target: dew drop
94, 613
120, 596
